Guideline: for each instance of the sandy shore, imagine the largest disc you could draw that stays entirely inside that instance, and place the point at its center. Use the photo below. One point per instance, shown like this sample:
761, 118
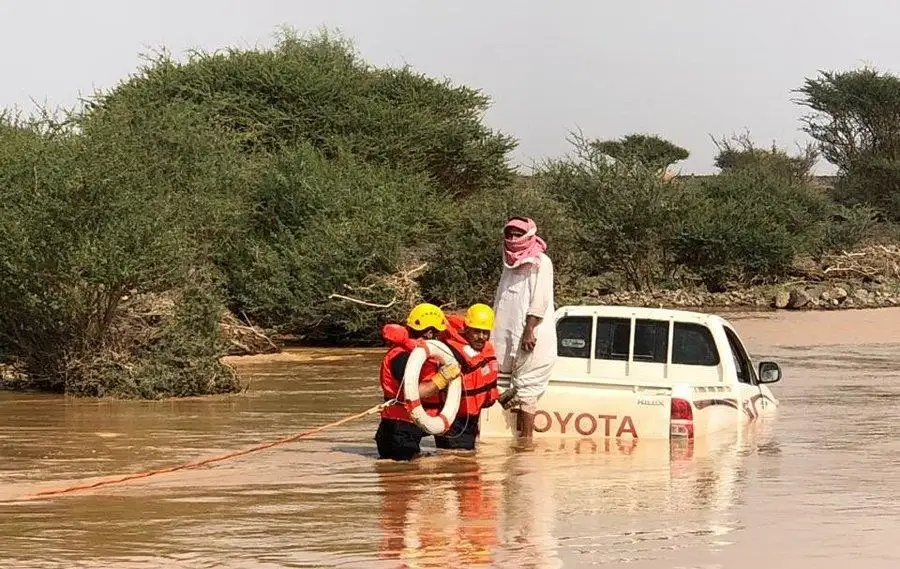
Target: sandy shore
819, 328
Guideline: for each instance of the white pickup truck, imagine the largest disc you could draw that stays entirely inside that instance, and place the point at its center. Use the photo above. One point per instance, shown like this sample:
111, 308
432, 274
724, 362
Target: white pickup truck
626, 372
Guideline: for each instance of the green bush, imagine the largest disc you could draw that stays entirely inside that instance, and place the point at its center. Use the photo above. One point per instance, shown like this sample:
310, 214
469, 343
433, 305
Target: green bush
854, 120
624, 213
849, 226
317, 90
874, 183
93, 212
742, 226
159, 345
741, 153
349, 164
651, 151
748, 223
329, 226
720, 240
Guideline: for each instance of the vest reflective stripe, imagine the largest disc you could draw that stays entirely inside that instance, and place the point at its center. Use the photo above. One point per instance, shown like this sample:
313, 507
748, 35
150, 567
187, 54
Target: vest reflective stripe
483, 388
432, 403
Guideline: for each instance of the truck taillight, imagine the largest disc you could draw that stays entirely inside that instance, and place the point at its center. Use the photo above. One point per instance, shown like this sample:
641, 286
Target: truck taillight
681, 423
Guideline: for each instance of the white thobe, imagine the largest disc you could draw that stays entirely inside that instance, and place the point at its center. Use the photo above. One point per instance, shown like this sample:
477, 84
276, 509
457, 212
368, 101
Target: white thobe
523, 291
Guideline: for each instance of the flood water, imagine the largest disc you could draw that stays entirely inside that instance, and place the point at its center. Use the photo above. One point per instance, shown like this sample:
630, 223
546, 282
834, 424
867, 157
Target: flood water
817, 488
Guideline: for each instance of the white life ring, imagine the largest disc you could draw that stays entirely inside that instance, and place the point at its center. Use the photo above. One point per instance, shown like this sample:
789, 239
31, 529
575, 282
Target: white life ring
434, 425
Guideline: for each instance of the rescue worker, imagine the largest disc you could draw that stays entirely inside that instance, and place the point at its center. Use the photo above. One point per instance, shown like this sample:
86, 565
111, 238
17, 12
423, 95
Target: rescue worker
469, 340
525, 330
398, 437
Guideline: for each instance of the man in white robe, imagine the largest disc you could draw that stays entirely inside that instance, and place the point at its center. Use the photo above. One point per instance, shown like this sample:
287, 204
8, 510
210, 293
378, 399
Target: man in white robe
524, 328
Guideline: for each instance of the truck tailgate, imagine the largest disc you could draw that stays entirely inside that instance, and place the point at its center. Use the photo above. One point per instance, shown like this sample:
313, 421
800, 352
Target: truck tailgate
600, 410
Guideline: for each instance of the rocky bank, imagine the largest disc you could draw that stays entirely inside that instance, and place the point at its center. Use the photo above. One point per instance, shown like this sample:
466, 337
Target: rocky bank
790, 296
865, 278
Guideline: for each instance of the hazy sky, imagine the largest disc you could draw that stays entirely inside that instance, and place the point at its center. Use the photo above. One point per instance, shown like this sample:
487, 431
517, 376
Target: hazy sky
683, 69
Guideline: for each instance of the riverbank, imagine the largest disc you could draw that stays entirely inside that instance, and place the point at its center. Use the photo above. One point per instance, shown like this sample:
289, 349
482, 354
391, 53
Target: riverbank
873, 319
868, 277
789, 296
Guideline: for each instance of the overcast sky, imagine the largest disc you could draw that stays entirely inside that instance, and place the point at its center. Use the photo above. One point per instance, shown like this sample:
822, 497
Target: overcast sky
682, 69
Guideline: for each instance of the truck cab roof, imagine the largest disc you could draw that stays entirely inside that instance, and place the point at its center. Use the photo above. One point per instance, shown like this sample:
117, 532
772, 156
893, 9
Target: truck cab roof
619, 311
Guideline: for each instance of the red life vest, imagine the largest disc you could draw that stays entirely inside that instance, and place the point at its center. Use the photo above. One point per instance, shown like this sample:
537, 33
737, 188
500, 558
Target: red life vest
479, 369
392, 386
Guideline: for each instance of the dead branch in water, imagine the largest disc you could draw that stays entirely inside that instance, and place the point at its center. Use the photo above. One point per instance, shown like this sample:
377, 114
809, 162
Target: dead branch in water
403, 284
248, 338
363, 302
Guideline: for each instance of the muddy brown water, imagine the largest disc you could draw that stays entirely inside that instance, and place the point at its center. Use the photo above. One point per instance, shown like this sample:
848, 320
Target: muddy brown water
818, 487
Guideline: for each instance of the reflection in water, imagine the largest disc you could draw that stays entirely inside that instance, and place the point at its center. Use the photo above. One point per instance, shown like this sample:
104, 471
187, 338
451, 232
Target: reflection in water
528, 515
816, 487
431, 520
549, 508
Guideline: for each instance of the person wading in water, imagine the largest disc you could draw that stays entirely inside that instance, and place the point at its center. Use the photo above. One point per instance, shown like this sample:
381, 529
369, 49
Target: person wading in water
524, 328
469, 340
398, 437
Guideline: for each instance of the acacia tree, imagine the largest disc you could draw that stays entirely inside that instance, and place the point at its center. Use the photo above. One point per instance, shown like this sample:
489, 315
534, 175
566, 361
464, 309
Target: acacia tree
651, 151
855, 119
741, 152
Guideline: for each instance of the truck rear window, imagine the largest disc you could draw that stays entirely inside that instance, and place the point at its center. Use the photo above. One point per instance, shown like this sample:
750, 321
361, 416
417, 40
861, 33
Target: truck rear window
612, 338
651, 338
692, 344
651, 341
573, 337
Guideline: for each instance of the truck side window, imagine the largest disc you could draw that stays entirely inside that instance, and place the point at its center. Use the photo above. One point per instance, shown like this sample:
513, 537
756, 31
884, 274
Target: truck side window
693, 344
741, 361
573, 337
612, 338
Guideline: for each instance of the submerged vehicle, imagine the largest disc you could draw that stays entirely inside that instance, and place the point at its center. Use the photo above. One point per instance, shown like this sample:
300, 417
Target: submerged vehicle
626, 372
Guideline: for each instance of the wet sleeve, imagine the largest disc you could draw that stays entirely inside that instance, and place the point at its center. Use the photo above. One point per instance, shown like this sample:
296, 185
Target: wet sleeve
398, 366
543, 289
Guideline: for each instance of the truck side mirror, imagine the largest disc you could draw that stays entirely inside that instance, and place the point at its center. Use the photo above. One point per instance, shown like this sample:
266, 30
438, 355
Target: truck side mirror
769, 372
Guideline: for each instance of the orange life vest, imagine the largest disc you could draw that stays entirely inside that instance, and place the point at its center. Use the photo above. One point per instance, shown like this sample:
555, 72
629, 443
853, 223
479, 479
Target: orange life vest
479, 369
392, 386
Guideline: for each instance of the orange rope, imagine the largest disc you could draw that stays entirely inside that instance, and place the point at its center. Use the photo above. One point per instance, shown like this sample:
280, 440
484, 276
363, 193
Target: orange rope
220, 458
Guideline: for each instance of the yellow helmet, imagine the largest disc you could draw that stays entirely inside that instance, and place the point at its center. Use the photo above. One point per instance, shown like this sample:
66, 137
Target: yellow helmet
424, 316
480, 317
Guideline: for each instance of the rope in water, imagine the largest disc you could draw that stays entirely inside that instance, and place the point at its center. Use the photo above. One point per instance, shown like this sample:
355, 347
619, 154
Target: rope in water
205, 461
